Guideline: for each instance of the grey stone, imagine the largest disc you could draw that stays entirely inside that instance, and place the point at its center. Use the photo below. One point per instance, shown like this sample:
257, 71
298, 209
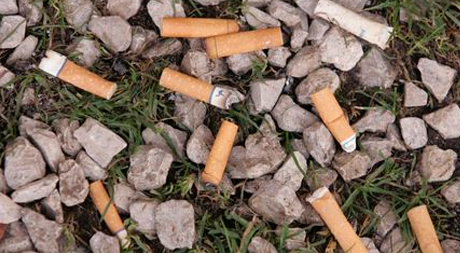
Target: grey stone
189, 112
49, 146
26, 124
87, 52
46, 235
78, 12
318, 29
165, 133
240, 64
450, 246
341, 49
199, 144
123, 8
436, 77
378, 149
374, 70
278, 56
259, 19
437, 165
394, 243
258, 3
261, 155
316, 81
309, 215
299, 145
32, 10
162, 48
143, 213
355, 5
102, 243
158, 9
35, 190
299, 32
16, 239
414, 96
295, 238
115, 32
352, 165
175, 224
23, 163
209, 2
375, 121
307, 5
219, 68
265, 93
445, 120
149, 167
6, 76
386, 218
29, 97
414, 132
99, 142
8, 7
124, 195
52, 207
3, 185
304, 62
64, 129
12, 31
291, 117
10, 211
142, 38
452, 192
394, 137
276, 202
292, 172
252, 186
320, 177
370, 245
320, 143
285, 12
197, 63
91, 169
24, 51
73, 186
260, 245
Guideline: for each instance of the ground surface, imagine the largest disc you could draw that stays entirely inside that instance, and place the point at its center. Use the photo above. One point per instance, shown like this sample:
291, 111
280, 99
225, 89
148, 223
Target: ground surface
140, 102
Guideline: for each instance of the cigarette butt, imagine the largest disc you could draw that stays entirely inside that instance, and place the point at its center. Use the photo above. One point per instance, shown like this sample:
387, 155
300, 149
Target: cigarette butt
243, 42
369, 30
218, 96
219, 154
103, 204
423, 228
324, 203
333, 117
59, 66
197, 27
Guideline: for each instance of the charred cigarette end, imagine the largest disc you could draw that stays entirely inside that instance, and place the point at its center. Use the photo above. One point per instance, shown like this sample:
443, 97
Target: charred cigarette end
197, 27
334, 118
219, 154
424, 230
327, 207
52, 63
243, 42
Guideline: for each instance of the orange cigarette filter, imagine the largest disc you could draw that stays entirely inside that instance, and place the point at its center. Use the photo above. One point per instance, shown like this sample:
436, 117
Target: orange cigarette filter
103, 204
243, 42
219, 154
197, 27
423, 228
325, 204
59, 66
333, 117
198, 89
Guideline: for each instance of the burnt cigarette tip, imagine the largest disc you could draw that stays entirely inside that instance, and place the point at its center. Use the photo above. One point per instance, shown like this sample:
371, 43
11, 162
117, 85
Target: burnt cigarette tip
52, 62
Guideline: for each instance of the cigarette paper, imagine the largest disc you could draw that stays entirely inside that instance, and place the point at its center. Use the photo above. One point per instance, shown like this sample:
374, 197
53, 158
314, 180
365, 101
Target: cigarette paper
218, 96
324, 203
369, 30
197, 27
333, 117
243, 42
423, 228
103, 204
59, 66
219, 154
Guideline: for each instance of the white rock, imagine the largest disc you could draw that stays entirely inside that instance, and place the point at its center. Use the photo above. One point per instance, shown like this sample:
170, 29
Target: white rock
209, 2
414, 132
374, 120
124, 195
143, 213
24, 51
87, 52
12, 31
414, 96
32, 10
386, 218
142, 38
171, 46
378, 149
351, 165
320, 143
450, 246
278, 56
73, 186
26, 124
45, 234
258, 3
6, 76
64, 129
115, 32
452, 192
8, 7
304, 62
199, 144
437, 165
102, 243
374, 70
189, 112
445, 120
291, 117
292, 172
49, 146
163, 133
260, 245
240, 64
260, 19
299, 32
158, 9
318, 29
265, 93
394, 242
196, 63
298, 145
394, 136
284, 12
316, 81
252, 186
436, 77
16, 239
10, 211
52, 207
321, 178
78, 12
341, 49
35, 190
123, 8
91, 169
